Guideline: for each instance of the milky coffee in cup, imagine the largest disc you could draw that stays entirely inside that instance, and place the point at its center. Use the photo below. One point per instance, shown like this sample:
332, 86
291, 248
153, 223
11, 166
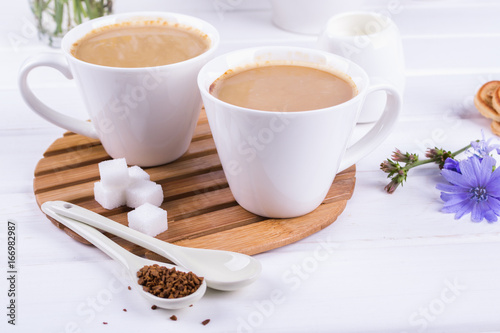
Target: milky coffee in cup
140, 44
283, 87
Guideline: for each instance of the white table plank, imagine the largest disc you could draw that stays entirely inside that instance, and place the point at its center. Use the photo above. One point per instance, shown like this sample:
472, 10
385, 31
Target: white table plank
390, 263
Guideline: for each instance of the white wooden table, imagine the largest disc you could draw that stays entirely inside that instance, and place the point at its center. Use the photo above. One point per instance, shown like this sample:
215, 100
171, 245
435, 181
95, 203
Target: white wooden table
390, 263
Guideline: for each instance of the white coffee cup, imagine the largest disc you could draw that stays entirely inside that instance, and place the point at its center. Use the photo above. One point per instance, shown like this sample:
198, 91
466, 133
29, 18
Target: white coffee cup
282, 164
147, 115
372, 41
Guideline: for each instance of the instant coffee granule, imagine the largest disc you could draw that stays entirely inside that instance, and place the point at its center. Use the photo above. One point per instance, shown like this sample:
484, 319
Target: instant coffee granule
168, 282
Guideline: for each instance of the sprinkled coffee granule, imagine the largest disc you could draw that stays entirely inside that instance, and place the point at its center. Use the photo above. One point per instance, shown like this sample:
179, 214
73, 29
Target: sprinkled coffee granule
168, 282
104, 322
124, 310
154, 307
174, 318
129, 288
206, 321
191, 305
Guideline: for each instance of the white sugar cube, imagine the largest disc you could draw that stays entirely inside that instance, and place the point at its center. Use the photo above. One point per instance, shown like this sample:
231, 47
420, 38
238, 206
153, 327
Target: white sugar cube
114, 173
143, 191
135, 173
148, 219
109, 197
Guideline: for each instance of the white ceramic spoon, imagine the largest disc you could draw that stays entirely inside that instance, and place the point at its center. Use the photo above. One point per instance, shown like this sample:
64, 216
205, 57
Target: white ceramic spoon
223, 270
130, 261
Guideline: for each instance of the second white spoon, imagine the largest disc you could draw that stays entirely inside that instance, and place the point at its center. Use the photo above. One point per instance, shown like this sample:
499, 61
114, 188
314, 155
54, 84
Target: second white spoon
130, 261
222, 270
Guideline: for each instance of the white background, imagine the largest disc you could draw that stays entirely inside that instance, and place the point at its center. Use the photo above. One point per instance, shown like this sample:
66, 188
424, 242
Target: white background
390, 263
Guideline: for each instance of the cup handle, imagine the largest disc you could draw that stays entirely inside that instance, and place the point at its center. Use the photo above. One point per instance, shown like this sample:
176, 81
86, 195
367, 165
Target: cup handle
58, 62
380, 130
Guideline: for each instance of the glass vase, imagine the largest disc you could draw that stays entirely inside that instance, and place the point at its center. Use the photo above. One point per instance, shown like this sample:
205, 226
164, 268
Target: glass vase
54, 18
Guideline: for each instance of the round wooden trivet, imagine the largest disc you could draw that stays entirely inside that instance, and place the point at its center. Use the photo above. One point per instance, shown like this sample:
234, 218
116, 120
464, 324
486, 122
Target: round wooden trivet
201, 209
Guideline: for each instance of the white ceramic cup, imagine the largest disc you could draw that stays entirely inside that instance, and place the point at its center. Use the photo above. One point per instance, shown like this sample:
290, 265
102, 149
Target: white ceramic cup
372, 41
309, 16
282, 164
147, 115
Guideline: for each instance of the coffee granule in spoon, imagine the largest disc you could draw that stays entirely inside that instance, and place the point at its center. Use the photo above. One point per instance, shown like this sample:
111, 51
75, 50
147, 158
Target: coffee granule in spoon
168, 282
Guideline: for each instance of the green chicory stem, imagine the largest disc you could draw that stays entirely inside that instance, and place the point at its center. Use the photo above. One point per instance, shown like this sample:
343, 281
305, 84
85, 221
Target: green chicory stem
399, 173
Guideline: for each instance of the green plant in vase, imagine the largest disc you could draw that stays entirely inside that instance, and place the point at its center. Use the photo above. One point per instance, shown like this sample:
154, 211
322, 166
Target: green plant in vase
54, 18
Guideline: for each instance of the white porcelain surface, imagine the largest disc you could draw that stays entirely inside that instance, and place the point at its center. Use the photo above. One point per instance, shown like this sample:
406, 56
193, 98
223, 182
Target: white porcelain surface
282, 164
308, 16
146, 115
131, 262
222, 270
372, 41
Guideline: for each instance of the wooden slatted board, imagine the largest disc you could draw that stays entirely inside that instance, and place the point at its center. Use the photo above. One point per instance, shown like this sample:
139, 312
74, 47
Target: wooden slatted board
201, 209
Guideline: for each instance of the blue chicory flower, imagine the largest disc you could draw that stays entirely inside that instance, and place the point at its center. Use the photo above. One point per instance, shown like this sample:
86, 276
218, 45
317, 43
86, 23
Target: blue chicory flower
475, 189
452, 164
483, 147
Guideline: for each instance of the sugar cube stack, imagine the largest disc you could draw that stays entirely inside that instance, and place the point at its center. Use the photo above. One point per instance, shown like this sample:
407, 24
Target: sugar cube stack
121, 185
143, 191
148, 219
110, 191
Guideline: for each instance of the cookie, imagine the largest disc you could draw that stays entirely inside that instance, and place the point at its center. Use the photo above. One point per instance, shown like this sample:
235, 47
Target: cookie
484, 100
495, 127
495, 100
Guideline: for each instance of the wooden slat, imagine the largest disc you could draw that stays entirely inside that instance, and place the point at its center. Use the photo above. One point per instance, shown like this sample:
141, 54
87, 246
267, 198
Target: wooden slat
209, 223
176, 189
271, 233
177, 209
71, 159
199, 148
63, 178
184, 168
201, 209
202, 132
70, 143
80, 155
202, 119
66, 177
341, 191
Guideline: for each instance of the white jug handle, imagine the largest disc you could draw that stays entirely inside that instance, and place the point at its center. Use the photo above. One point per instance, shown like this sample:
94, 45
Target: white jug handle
380, 130
57, 61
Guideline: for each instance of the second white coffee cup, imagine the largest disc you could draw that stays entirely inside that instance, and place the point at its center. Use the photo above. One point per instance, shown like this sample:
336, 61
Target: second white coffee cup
282, 164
